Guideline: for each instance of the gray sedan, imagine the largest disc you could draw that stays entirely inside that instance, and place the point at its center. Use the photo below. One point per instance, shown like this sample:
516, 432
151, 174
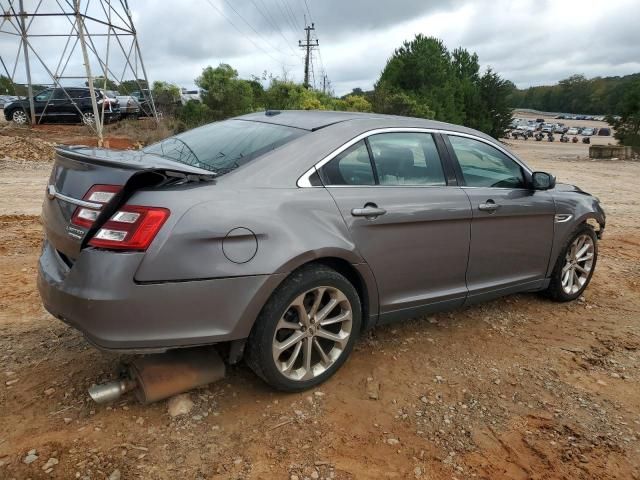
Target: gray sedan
286, 234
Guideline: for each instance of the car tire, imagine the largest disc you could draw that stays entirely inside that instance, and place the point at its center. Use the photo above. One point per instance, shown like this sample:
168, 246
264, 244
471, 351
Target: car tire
571, 275
297, 324
88, 118
19, 117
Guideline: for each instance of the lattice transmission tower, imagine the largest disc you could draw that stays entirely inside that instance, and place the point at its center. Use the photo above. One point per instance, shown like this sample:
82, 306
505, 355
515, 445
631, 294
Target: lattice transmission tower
73, 43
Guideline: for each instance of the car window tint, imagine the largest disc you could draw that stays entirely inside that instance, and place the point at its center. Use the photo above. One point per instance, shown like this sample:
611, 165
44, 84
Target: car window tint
406, 159
485, 166
223, 146
82, 93
58, 94
43, 96
351, 167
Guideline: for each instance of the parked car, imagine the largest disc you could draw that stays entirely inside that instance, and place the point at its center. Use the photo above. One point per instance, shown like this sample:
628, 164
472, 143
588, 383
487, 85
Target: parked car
143, 97
129, 107
573, 131
560, 128
587, 132
287, 234
4, 99
604, 132
547, 128
187, 95
68, 104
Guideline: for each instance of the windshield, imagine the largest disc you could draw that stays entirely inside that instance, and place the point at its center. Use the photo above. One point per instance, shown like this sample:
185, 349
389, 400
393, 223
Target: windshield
223, 146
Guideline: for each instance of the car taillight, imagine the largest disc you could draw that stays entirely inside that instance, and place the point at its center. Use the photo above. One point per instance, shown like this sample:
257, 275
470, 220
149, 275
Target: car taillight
99, 194
130, 228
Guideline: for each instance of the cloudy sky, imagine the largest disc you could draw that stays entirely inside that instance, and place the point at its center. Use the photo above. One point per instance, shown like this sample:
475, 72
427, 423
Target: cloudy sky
530, 43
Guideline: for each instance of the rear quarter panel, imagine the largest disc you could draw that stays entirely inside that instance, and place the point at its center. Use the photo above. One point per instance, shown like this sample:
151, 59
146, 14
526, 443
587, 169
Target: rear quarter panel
288, 226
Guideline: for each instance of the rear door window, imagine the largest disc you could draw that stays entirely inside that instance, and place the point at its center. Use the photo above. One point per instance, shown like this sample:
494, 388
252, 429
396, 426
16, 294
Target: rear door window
407, 158
351, 167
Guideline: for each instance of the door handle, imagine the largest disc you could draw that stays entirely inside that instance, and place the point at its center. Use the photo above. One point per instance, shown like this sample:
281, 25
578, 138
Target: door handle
369, 211
488, 206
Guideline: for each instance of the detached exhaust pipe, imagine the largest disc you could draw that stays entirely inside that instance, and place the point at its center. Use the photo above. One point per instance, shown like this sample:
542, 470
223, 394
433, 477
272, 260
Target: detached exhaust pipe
159, 376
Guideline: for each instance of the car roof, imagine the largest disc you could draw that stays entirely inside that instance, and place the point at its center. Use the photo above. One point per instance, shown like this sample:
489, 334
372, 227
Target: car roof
313, 120
304, 119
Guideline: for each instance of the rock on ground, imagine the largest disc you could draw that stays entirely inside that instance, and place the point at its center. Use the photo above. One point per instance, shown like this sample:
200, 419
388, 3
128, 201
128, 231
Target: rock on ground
179, 405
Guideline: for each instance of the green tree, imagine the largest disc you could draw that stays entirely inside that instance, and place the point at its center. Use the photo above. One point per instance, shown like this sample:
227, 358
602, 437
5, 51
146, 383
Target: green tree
129, 86
357, 103
627, 126
400, 103
193, 114
284, 95
494, 94
576, 94
422, 69
98, 82
424, 79
226, 94
166, 97
6, 86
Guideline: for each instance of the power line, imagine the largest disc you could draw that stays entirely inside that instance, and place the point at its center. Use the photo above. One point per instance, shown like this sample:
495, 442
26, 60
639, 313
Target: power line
304, 14
251, 26
293, 15
308, 11
273, 25
286, 15
246, 36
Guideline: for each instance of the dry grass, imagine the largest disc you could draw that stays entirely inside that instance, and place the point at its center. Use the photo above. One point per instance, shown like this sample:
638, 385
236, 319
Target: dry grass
142, 132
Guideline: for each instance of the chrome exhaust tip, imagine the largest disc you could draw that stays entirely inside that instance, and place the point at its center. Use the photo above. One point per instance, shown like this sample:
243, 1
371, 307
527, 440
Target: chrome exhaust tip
108, 392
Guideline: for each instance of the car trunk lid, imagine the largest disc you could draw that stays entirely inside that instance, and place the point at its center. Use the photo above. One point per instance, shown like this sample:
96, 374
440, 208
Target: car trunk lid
77, 169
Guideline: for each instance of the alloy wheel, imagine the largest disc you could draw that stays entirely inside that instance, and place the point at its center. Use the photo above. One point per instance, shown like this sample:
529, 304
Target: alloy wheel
312, 333
88, 118
19, 117
578, 264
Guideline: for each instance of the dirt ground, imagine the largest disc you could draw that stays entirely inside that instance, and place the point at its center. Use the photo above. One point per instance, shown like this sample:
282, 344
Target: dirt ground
519, 388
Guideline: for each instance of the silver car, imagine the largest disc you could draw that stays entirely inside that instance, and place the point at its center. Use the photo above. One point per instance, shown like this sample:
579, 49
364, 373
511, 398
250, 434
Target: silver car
284, 235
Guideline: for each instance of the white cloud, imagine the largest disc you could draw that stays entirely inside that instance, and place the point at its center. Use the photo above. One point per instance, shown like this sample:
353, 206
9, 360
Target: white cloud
527, 43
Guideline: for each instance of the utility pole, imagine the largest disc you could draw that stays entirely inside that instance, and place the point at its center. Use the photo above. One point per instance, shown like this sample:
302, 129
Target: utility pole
308, 45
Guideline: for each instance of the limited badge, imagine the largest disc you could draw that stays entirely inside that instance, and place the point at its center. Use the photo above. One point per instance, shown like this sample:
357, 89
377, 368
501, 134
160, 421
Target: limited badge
75, 232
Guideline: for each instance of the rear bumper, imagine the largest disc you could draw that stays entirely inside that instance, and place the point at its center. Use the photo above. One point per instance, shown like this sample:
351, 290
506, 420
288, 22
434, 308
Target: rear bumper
99, 297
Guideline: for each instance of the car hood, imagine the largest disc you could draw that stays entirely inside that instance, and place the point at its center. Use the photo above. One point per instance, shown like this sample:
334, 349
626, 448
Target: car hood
567, 187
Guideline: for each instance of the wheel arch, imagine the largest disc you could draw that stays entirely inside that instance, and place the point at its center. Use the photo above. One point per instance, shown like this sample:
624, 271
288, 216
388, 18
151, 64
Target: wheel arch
352, 267
9, 114
593, 219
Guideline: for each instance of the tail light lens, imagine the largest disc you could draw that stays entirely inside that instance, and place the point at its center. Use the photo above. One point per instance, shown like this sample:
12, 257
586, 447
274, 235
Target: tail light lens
130, 228
101, 194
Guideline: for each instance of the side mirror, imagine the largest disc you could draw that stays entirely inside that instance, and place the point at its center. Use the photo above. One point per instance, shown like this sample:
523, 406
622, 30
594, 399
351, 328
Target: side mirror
543, 181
